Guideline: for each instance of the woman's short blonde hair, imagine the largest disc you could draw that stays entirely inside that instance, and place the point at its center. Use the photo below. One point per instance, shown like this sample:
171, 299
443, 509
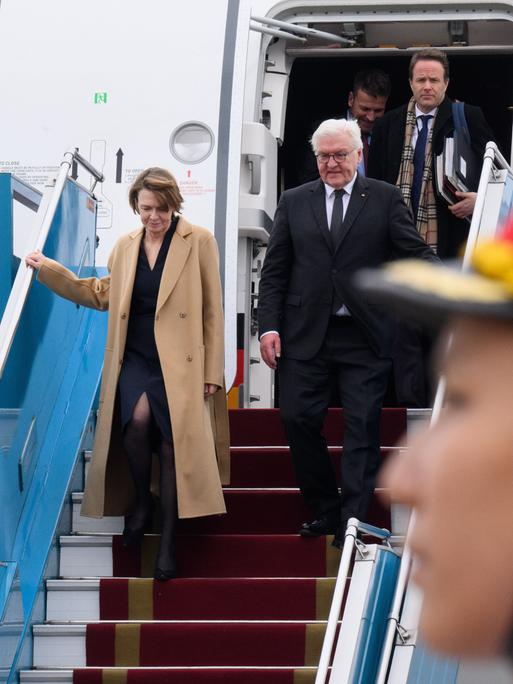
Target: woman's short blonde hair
162, 183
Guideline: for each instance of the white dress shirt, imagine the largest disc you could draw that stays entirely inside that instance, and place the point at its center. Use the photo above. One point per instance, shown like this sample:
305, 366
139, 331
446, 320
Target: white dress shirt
418, 127
330, 199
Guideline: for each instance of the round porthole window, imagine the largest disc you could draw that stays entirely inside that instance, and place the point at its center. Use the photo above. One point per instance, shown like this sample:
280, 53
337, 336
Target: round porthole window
192, 142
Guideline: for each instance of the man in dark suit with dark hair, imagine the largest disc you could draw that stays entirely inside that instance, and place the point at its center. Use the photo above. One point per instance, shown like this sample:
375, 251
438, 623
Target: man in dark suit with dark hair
394, 157
405, 143
366, 103
311, 319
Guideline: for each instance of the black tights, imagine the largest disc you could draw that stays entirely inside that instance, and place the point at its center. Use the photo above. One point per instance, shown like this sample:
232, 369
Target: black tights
137, 445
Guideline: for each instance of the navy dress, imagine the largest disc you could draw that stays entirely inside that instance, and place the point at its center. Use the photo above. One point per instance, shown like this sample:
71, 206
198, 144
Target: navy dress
141, 372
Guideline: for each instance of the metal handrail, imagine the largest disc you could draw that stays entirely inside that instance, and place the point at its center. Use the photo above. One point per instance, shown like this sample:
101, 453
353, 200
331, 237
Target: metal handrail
275, 32
491, 156
42, 223
296, 28
352, 529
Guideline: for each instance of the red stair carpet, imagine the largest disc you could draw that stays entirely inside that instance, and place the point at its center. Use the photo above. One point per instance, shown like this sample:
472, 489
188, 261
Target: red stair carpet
252, 598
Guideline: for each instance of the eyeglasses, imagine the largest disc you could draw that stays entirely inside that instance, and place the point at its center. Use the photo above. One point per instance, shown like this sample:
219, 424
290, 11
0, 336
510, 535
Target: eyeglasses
324, 157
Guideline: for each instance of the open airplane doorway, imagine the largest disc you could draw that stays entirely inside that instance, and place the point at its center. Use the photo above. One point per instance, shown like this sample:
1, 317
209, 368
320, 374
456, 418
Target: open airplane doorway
303, 79
319, 87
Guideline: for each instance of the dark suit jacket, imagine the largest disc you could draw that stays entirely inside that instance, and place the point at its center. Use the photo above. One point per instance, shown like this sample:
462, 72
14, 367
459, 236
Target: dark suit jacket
302, 269
385, 160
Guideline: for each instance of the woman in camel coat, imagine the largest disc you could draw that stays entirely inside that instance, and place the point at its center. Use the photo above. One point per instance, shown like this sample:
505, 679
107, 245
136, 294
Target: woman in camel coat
187, 324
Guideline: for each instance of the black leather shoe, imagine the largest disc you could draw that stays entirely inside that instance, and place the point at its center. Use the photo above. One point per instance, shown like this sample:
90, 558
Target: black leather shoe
166, 564
163, 575
340, 534
338, 540
316, 528
133, 533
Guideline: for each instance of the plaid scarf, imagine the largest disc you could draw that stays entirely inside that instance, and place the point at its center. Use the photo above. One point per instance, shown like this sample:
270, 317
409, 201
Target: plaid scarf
426, 214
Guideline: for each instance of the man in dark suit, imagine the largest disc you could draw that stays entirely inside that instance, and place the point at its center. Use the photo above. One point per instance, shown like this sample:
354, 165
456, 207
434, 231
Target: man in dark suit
405, 143
429, 78
310, 319
366, 103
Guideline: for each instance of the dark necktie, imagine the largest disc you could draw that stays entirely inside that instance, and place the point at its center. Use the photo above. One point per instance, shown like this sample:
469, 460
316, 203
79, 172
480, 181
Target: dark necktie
418, 162
337, 217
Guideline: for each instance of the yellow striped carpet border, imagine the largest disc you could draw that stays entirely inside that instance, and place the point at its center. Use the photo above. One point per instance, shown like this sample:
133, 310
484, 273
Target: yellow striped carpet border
127, 645
332, 558
313, 642
140, 599
324, 588
305, 675
115, 676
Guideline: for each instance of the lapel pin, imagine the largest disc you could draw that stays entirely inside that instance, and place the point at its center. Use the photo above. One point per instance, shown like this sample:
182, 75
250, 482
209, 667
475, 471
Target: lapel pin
363, 194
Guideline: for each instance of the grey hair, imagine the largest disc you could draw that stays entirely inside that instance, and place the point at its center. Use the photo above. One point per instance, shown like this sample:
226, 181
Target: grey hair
332, 127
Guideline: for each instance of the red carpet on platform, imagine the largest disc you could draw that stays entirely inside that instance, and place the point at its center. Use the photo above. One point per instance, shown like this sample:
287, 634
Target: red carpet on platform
195, 676
263, 427
234, 598
252, 596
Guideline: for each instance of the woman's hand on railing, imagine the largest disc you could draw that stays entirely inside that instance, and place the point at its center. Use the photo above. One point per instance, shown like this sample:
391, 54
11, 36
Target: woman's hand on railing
35, 259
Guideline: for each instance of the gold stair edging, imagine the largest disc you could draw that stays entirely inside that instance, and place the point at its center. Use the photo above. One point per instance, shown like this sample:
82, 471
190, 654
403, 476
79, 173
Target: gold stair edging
140, 599
332, 558
114, 676
324, 588
305, 675
127, 645
314, 637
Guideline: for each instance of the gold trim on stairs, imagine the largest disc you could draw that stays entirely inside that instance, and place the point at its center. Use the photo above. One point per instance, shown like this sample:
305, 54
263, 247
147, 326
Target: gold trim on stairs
127, 645
140, 599
305, 675
314, 638
114, 676
324, 588
332, 558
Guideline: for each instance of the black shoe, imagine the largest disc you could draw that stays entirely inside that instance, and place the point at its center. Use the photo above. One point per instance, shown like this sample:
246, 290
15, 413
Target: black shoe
163, 575
316, 528
166, 565
340, 534
134, 532
338, 540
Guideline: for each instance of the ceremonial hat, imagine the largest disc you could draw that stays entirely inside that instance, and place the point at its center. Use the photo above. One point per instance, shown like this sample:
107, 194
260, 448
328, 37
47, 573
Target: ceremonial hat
431, 292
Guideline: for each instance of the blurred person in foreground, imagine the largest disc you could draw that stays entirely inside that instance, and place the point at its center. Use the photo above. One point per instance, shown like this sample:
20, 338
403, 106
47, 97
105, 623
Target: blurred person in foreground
458, 475
163, 369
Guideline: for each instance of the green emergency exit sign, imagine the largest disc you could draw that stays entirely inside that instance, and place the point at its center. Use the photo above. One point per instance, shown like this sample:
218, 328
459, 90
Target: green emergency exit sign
100, 98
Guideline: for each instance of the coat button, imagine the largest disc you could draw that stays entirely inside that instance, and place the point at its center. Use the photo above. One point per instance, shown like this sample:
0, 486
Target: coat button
157, 317
123, 316
182, 314
189, 357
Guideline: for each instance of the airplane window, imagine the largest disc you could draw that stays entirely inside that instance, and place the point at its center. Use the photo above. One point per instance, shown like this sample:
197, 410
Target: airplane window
191, 142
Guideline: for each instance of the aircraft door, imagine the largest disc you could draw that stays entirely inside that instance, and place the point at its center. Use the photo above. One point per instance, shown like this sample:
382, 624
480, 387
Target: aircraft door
257, 202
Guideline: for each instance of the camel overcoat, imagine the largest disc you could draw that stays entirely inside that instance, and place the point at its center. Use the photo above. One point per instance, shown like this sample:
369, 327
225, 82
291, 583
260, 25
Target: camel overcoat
189, 334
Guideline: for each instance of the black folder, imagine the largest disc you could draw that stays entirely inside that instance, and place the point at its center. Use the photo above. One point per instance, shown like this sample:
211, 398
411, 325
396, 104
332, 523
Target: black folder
467, 164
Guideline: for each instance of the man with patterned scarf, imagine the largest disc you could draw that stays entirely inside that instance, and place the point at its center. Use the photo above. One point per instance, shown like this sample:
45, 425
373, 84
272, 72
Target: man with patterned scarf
405, 143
